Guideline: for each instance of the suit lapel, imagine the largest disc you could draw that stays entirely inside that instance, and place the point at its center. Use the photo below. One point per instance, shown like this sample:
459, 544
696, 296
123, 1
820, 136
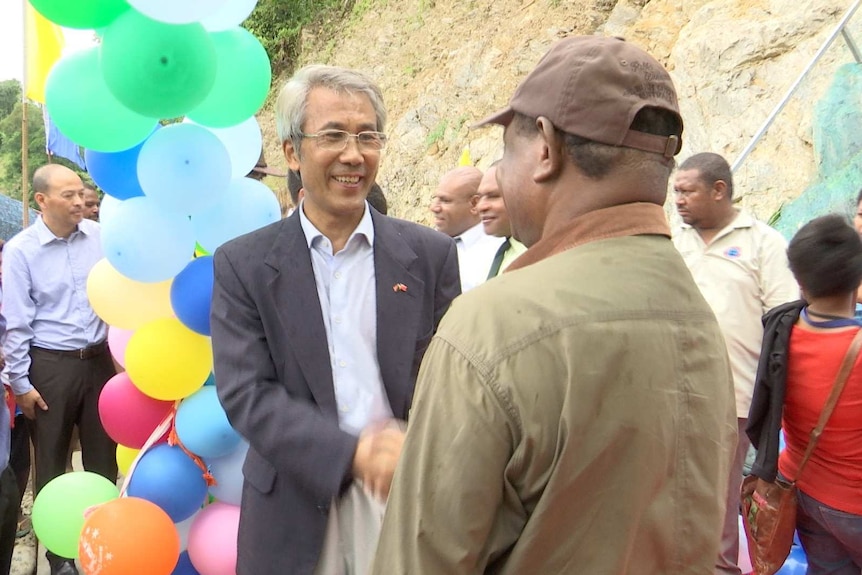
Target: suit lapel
294, 294
399, 305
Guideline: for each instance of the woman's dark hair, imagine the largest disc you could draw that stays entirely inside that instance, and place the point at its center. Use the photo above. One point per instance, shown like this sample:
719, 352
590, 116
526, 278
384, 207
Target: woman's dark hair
826, 257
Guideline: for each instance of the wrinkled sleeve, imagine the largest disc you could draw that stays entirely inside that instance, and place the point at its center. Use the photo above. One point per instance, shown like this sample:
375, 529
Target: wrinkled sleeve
448, 492
19, 309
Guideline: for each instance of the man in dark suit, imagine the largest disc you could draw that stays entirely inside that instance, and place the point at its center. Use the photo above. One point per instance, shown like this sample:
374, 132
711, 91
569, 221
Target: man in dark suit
319, 323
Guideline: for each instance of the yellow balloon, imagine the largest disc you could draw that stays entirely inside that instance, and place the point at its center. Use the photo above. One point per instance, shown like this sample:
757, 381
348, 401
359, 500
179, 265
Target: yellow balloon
125, 457
126, 303
44, 44
168, 361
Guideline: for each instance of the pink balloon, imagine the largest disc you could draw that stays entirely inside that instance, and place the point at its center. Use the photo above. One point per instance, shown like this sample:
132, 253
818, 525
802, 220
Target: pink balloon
128, 416
212, 539
118, 339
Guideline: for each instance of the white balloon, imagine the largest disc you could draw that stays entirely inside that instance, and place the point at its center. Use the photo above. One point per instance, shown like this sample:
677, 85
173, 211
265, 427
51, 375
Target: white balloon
183, 528
231, 14
227, 471
243, 143
177, 11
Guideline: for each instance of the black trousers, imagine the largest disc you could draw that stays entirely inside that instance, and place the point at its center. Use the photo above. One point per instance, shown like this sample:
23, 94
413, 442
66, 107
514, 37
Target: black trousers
71, 387
8, 518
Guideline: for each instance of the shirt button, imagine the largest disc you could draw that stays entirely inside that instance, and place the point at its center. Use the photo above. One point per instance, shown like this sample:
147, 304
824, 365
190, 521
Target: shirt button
338, 275
342, 363
338, 320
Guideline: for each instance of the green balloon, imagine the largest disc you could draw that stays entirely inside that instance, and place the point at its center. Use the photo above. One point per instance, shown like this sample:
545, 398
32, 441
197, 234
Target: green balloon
58, 510
81, 13
84, 110
156, 69
242, 81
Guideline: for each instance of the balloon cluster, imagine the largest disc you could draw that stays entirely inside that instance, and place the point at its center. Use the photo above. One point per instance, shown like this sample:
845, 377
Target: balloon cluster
173, 192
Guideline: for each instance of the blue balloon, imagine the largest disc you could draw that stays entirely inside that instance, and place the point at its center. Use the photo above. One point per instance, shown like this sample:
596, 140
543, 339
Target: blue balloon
146, 243
184, 168
250, 205
796, 563
116, 172
202, 425
168, 477
227, 471
210, 380
192, 294
184, 566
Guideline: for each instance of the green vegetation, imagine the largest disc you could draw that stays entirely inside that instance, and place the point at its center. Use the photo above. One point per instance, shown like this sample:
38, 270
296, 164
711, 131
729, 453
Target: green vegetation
10, 141
279, 23
437, 133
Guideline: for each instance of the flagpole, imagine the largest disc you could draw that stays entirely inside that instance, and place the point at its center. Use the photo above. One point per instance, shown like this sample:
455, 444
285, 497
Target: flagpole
25, 137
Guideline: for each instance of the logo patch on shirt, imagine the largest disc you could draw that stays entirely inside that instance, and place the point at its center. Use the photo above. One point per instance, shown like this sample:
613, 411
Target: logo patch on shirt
733, 252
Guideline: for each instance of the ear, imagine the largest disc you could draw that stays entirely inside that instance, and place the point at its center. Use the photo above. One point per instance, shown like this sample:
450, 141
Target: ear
719, 190
550, 151
474, 204
40, 199
291, 155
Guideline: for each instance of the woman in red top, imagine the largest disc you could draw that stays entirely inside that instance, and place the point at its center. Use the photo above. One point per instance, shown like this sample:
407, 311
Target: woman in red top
826, 259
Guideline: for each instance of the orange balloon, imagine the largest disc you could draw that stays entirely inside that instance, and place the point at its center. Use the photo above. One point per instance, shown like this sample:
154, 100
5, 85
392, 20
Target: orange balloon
129, 536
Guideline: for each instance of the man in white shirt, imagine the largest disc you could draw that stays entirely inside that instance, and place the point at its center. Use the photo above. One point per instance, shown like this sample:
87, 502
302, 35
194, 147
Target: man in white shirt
740, 266
456, 215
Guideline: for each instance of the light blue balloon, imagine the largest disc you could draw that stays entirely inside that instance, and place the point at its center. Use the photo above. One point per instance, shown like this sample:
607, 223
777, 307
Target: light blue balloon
145, 242
243, 143
184, 168
249, 205
116, 172
202, 425
227, 471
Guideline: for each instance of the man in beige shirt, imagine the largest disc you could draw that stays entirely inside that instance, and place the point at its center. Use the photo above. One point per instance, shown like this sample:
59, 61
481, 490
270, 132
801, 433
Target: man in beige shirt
740, 266
575, 414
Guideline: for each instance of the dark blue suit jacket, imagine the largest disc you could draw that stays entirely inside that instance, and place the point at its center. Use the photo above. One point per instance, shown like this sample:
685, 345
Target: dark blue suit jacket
273, 374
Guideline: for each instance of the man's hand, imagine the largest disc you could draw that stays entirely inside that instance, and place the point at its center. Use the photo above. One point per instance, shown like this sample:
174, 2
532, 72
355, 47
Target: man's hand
28, 402
376, 457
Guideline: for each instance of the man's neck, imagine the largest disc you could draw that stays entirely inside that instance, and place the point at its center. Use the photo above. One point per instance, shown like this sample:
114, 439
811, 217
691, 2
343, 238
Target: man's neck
336, 229
61, 231
711, 230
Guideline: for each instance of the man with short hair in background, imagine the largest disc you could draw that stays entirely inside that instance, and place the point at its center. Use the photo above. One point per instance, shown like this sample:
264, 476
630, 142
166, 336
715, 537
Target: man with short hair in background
495, 220
92, 201
455, 214
56, 347
740, 266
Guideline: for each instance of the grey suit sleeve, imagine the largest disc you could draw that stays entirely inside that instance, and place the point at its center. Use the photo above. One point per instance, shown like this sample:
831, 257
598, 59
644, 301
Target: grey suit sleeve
290, 433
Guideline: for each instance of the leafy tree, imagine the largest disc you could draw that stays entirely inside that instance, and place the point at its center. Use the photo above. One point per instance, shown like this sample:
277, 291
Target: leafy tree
10, 150
10, 94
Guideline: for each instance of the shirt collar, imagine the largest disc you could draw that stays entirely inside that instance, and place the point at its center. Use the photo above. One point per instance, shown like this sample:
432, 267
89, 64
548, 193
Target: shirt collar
639, 218
472, 235
364, 228
46, 236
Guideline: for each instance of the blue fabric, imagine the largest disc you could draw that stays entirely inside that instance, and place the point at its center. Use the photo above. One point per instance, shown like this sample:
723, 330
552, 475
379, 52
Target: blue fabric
832, 539
58, 144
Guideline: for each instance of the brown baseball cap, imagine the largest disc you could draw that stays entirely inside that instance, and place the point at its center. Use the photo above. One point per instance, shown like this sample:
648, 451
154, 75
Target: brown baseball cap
592, 87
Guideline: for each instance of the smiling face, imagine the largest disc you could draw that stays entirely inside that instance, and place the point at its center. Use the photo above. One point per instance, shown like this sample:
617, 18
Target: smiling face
335, 183
492, 208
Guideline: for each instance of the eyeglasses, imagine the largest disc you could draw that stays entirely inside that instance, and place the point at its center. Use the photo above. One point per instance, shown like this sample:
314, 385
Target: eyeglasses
336, 140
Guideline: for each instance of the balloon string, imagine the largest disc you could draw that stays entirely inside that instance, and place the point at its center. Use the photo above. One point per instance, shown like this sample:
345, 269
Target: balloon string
174, 439
166, 424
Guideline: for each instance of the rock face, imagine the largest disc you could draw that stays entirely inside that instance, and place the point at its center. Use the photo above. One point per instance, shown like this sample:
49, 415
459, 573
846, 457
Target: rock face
445, 64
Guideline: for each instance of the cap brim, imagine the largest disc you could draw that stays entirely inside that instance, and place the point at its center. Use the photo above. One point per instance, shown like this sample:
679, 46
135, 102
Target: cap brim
501, 118
268, 171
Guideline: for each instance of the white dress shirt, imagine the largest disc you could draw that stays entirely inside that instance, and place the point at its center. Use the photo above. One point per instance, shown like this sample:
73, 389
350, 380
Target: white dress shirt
346, 286
476, 251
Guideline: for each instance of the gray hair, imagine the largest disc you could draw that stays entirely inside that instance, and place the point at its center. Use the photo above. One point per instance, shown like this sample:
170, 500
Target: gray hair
292, 100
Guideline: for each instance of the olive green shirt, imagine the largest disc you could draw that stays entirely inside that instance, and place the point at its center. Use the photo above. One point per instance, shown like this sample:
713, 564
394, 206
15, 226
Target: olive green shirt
573, 416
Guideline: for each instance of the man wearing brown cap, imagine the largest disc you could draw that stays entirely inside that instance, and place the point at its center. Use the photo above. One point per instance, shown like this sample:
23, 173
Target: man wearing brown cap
576, 414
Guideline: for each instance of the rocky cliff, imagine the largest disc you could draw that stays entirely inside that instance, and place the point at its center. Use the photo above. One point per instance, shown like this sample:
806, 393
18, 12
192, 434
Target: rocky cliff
444, 64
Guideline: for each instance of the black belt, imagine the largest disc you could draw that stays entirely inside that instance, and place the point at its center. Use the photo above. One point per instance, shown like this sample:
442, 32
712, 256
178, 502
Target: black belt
88, 352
